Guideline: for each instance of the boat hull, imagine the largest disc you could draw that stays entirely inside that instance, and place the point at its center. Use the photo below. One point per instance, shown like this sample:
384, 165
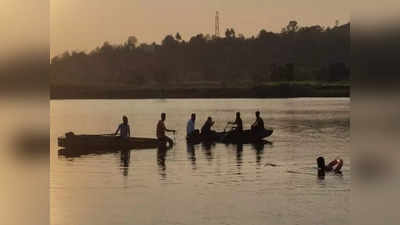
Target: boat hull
100, 142
245, 137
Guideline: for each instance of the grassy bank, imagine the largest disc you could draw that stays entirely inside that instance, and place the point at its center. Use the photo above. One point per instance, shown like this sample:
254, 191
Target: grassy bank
262, 90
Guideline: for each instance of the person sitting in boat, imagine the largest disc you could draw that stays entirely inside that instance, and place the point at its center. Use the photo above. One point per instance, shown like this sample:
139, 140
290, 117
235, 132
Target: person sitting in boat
123, 128
161, 129
335, 166
258, 124
190, 127
206, 128
238, 122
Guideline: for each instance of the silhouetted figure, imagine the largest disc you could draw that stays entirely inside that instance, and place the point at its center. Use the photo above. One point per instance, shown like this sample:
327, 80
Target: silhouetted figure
190, 127
334, 166
238, 122
123, 128
258, 124
161, 129
237, 130
206, 128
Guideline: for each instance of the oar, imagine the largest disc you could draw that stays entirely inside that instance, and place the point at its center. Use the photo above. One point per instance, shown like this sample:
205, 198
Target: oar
174, 136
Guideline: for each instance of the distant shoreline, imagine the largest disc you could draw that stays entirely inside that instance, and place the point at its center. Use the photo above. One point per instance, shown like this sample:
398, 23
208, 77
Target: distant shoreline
280, 90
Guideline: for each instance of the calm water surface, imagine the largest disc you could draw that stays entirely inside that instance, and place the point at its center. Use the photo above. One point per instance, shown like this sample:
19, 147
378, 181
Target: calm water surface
220, 184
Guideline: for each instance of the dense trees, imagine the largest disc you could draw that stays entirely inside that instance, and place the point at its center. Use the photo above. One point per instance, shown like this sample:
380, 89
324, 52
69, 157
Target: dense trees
297, 53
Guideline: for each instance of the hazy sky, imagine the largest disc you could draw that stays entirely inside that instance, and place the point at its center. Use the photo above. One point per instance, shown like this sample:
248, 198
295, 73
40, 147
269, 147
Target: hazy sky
86, 24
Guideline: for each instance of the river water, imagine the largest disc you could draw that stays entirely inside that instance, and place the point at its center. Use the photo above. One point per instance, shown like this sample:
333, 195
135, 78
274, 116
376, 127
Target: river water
220, 184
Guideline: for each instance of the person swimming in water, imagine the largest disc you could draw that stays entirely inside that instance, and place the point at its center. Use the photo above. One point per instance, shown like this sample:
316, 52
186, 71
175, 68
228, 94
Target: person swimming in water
334, 166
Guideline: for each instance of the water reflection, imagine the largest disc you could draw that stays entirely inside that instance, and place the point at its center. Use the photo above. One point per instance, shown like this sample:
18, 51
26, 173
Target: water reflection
191, 155
78, 152
206, 147
259, 148
125, 161
239, 156
161, 154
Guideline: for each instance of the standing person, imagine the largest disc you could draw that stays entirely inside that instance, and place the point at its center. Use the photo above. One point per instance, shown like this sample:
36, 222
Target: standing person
206, 128
238, 122
258, 124
123, 128
161, 129
190, 127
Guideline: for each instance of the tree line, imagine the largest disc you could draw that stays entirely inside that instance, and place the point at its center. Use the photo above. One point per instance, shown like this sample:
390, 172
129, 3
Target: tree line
309, 53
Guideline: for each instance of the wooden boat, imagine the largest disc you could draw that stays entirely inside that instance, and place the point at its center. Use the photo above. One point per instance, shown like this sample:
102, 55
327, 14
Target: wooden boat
244, 137
201, 138
105, 142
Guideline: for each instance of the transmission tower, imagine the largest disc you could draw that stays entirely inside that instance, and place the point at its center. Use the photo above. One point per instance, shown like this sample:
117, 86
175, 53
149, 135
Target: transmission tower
217, 24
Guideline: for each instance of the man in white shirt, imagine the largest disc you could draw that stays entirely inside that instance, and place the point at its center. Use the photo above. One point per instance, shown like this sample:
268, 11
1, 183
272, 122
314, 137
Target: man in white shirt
190, 128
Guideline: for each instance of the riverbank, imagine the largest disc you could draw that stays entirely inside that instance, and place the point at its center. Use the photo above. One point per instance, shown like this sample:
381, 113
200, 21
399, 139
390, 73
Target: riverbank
263, 90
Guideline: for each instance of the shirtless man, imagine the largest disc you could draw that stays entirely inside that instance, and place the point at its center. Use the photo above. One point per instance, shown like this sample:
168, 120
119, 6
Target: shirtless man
161, 129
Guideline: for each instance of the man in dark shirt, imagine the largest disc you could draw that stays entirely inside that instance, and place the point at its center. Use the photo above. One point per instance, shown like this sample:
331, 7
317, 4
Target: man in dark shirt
258, 124
206, 128
238, 122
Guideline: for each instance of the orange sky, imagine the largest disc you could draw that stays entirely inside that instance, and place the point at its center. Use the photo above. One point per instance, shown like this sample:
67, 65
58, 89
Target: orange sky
84, 25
